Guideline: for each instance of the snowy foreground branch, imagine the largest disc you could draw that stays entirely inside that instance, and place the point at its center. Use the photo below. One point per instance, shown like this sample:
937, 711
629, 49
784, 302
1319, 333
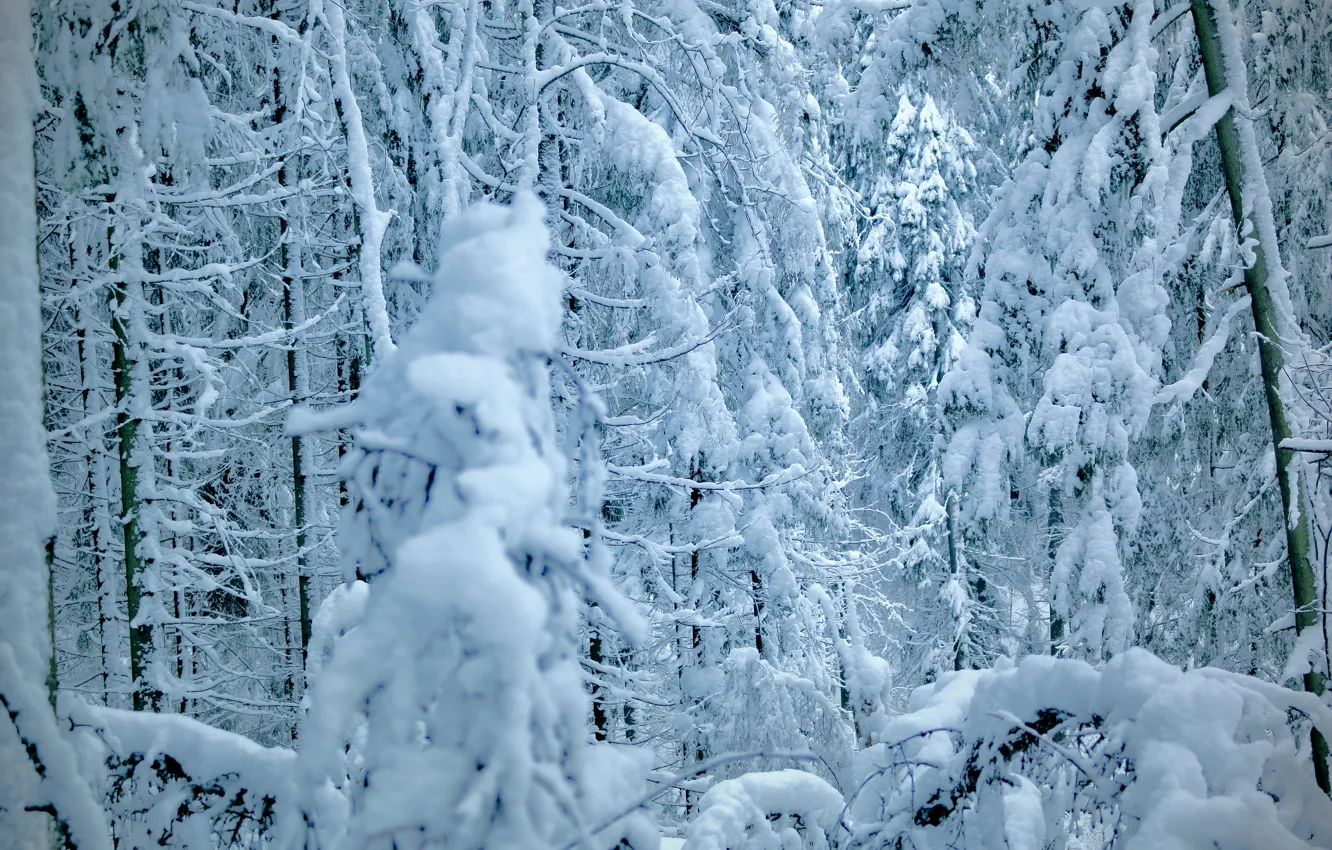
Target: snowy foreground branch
1052, 752
1045, 752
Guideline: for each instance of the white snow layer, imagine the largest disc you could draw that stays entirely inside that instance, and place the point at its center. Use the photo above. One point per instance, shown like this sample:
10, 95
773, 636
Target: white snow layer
1166, 758
29, 732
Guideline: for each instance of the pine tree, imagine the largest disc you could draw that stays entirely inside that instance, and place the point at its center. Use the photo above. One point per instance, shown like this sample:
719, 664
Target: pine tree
913, 309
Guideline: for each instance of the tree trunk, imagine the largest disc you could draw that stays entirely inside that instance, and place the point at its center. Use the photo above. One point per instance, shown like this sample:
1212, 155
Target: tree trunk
124, 360
296, 386
1054, 515
957, 570
1270, 355
599, 719
95, 480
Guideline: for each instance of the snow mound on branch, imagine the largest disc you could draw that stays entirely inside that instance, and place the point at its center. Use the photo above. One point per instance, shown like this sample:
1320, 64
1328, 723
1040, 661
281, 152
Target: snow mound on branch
767, 811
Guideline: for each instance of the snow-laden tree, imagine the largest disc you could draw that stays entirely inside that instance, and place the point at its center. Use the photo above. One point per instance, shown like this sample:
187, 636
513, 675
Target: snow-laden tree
1135, 753
957, 56
912, 308
195, 276
217, 177
911, 262
140, 275
459, 693
700, 300
1210, 573
1060, 371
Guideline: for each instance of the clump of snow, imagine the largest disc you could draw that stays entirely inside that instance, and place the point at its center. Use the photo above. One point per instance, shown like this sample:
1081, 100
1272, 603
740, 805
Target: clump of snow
1136, 754
767, 811
180, 783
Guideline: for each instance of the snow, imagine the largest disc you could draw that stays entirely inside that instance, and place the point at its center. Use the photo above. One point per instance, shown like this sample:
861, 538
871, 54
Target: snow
28, 512
1307, 444
371, 221
41, 765
1257, 201
1024, 820
1185, 388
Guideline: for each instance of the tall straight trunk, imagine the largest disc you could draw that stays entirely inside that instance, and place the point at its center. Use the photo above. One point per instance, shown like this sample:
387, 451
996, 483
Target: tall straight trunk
95, 480
349, 387
52, 672
1294, 518
957, 569
158, 320
368, 221
756, 592
298, 389
695, 639
290, 263
1054, 516
599, 720
124, 361
299, 487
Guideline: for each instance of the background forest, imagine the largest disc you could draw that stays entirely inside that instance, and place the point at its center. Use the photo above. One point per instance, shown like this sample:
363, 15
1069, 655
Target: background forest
760, 423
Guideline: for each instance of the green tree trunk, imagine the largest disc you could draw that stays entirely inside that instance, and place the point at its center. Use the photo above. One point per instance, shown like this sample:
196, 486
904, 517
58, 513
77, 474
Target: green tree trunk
1272, 361
124, 360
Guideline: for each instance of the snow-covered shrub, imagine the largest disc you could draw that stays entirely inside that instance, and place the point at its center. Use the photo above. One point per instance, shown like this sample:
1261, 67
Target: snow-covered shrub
795, 715
175, 782
1055, 752
779, 810
454, 713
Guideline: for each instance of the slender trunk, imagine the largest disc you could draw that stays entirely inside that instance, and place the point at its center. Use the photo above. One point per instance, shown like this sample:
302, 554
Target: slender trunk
368, 220
90, 404
844, 631
695, 639
124, 357
165, 399
52, 676
599, 720
958, 571
1294, 516
1054, 516
298, 477
756, 591
627, 709
290, 262
349, 387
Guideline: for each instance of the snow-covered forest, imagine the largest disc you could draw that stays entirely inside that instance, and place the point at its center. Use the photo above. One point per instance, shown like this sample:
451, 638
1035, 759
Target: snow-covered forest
637, 424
